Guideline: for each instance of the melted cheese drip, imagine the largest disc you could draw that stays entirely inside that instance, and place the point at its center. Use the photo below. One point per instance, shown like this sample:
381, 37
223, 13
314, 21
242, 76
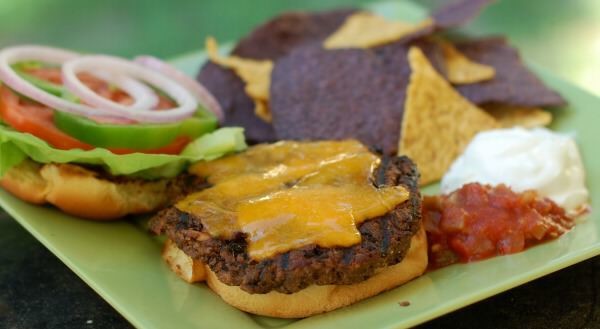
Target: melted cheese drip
288, 195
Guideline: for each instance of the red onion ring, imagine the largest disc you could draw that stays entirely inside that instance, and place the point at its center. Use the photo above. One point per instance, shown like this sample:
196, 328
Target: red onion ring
144, 98
203, 96
12, 55
187, 103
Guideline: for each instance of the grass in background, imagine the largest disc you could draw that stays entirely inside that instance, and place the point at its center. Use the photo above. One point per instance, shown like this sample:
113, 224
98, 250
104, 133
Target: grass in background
130, 27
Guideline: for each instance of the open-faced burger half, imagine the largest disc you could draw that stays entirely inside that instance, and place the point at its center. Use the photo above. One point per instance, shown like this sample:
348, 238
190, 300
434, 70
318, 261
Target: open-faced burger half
99, 136
297, 228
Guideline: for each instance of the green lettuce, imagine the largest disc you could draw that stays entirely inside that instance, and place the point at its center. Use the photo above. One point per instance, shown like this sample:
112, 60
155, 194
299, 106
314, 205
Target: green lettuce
16, 146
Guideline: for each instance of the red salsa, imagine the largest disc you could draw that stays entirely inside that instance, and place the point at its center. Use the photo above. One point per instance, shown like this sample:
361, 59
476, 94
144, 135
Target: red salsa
480, 221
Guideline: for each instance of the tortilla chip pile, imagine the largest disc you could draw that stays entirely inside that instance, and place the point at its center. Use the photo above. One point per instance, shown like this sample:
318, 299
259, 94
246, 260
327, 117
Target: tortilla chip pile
270, 41
400, 87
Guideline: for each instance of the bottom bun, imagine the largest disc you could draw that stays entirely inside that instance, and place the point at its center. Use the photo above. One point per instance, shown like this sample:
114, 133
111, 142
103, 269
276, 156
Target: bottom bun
25, 182
183, 265
82, 192
318, 299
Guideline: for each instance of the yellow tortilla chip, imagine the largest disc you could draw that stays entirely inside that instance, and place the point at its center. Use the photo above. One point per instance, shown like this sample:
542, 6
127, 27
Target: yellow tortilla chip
364, 30
511, 116
462, 70
262, 110
438, 122
256, 74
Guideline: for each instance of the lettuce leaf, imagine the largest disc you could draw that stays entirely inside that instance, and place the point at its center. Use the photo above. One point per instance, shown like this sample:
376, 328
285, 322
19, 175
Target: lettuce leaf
16, 146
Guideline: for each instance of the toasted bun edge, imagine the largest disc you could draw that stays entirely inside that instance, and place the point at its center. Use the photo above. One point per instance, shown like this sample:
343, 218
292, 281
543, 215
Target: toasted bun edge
319, 299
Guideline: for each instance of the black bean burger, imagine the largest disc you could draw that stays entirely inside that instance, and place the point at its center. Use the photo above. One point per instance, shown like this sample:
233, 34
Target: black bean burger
294, 229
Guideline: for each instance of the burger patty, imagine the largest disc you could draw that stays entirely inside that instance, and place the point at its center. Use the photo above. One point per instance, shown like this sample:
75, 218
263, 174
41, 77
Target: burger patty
384, 242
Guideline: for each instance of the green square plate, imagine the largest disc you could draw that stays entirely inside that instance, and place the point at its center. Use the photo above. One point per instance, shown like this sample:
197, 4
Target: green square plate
121, 261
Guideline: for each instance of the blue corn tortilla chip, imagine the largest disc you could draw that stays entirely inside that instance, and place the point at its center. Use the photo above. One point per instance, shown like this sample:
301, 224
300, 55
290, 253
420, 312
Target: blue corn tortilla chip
458, 13
228, 89
430, 48
513, 83
282, 34
342, 93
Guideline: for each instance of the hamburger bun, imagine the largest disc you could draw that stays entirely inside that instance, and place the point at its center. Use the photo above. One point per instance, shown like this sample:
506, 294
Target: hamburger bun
83, 192
183, 265
309, 301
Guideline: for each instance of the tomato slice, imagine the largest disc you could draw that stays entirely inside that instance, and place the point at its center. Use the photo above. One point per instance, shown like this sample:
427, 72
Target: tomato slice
35, 119
175, 147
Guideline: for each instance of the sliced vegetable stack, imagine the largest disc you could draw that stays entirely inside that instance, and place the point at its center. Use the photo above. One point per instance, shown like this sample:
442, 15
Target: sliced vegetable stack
98, 103
102, 101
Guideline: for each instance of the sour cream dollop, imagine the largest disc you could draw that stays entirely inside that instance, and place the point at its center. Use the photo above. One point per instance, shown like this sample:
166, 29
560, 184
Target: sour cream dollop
524, 159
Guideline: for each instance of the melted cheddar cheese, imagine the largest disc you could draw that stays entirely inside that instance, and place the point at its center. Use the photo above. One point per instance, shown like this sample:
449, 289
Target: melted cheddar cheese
288, 195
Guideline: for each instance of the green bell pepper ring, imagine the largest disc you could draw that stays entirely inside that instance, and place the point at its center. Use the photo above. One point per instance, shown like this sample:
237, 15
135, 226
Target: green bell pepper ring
133, 136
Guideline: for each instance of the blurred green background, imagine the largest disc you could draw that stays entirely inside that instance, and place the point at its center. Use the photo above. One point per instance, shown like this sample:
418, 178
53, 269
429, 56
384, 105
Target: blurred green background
561, 35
